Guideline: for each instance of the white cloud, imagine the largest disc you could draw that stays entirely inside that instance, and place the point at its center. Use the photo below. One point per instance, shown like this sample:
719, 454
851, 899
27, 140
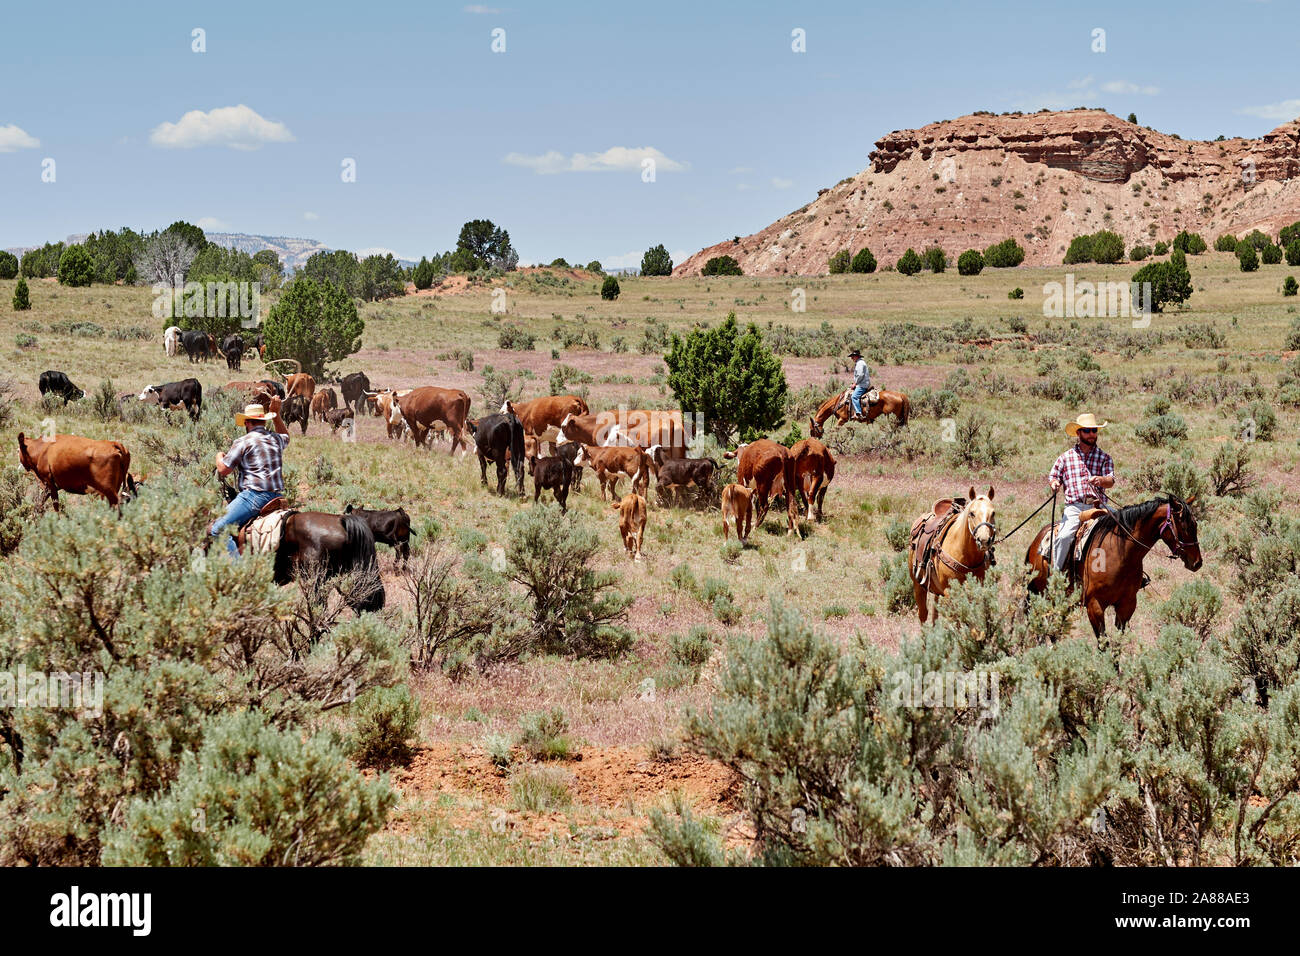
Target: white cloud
743, 187
1286, 110
12, 138
238, 127
311, 216
212, 224
740, 170
383, 251
615, 158
1082, 84
479, 8
779, 183
1123, 86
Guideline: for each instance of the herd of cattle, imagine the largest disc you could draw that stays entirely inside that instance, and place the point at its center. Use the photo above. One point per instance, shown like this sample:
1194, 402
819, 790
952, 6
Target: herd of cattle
555, 437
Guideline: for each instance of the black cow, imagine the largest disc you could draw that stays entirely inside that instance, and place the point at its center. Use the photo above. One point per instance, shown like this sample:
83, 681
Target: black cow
296, 409
569, 451
674, 474
274, 388
555, 473
59, 384
187, 392
392, 527
232, 347
499, 438
198, 345
354, 386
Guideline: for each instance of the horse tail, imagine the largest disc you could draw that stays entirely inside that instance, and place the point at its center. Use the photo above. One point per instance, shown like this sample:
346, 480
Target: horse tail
359, 555
907, 409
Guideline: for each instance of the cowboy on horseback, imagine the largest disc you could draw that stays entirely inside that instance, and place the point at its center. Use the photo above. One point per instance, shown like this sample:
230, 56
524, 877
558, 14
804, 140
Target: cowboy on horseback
259, 456
861, 382
1083, 472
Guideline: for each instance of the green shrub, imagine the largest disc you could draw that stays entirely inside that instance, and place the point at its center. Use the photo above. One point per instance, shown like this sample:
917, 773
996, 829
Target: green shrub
1161, 430
1139, 252
839, 263
935, 259
609, 289
76, 267
384, 720
1016, 293
544, 735
1247, 257
1171, 283
25, 341
22, 298
254, 795
863, 261
1080, 250
1271, 255
897, 534
1161, 248
8, 265
1004, 255
1107, 247
1226, 243
514, 338
1289, 287
1293, 253
1257, 240
1190, 243
1258, 421
657, 262
722, 266
970, 263
910, 263
536, 789
693, 650
423, 274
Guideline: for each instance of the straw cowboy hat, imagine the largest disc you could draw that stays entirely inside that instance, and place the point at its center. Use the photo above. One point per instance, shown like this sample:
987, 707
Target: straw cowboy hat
253, 413
1083, 421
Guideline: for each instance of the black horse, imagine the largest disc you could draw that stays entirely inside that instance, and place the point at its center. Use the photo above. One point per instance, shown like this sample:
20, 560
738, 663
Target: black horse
339, 544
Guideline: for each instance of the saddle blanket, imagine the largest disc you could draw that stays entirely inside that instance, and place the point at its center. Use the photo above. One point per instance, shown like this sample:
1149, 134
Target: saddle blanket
1082, 535
872, 396
265, 533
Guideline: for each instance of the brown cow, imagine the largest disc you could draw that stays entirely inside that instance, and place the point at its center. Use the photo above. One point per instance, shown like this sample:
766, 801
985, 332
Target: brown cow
631, 523
611, 464
737, 507
428, 404
323, 401
814, 469
639, 428
768, 467
78, 465
300, 383
539, 415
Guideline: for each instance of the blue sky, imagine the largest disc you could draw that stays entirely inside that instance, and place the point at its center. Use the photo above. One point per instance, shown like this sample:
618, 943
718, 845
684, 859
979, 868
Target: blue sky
547, 138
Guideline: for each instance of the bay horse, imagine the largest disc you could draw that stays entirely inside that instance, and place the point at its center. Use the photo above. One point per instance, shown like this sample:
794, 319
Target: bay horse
1110, 573
889, 403
965, 548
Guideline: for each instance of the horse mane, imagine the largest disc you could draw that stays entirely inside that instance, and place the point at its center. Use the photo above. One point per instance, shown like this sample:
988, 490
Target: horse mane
1127, 517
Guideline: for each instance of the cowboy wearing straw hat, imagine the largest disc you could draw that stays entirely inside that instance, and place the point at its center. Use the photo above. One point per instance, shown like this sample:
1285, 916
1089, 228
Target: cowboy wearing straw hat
259, 456
1083, 471
861, 382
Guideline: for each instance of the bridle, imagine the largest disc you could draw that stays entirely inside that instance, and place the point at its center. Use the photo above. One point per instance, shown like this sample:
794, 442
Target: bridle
1179, 546
974, 532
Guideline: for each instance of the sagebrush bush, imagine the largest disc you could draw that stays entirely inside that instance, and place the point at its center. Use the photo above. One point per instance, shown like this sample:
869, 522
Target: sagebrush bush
1161, 430
384, 719
545, 735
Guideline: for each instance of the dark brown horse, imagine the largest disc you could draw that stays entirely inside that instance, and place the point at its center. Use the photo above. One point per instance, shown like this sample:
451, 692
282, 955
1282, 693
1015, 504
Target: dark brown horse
1110, 573
889, 403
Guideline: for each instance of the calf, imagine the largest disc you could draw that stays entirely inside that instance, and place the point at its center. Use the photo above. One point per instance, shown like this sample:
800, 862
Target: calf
391, 527
337, 418
814, 469
323, 401
675, 474
768, 468
611, 464
59, 384
187, 392
232, 347
555, 473
500, 439
737, 507
631, 523
297, 408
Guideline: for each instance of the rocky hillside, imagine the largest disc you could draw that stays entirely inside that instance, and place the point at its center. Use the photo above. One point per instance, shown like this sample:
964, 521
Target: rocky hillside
1042, 178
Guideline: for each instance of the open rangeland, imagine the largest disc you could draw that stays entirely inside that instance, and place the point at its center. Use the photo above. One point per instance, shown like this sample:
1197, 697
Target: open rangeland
992, 383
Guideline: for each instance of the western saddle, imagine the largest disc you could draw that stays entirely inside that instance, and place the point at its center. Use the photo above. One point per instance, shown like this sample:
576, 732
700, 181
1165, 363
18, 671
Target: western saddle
927, 540
279, 503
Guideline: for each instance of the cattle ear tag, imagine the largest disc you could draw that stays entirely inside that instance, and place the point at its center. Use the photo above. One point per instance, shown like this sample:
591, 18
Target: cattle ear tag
47, 429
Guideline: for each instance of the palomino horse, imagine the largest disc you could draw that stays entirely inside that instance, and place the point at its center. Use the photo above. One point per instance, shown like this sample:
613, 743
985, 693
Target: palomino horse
1111, 570
966, 547
889, 403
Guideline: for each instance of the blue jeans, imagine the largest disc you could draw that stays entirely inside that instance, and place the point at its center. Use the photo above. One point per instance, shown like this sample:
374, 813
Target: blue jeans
856, 398
240, 512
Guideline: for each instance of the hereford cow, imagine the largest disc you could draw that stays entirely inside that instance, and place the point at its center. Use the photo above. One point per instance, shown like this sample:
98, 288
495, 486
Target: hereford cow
324, 401
612, 464
56, 383
428, 404
768, 468
198, 345
672, 475
78, 465
232, 347
391, 527
187, 392
500, 439
555, 473
353, 387
737, 508
172, 340
814, 469
539, 415
631, 523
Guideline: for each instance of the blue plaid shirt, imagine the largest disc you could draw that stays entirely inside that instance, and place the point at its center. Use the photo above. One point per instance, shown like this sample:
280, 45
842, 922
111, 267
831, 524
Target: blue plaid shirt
259, 456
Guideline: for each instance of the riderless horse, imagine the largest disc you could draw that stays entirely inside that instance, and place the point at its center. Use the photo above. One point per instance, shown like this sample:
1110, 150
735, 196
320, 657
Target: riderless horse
953, 540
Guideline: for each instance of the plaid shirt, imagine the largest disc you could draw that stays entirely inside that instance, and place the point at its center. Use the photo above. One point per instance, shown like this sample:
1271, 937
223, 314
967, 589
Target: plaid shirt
259, 456
1074, 467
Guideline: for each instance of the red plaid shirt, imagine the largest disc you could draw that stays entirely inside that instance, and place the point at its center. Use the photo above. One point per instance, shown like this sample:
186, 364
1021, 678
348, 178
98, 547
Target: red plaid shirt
1073, 469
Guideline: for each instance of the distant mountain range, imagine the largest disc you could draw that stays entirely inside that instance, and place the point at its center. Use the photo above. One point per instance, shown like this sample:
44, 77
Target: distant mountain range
293, 252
